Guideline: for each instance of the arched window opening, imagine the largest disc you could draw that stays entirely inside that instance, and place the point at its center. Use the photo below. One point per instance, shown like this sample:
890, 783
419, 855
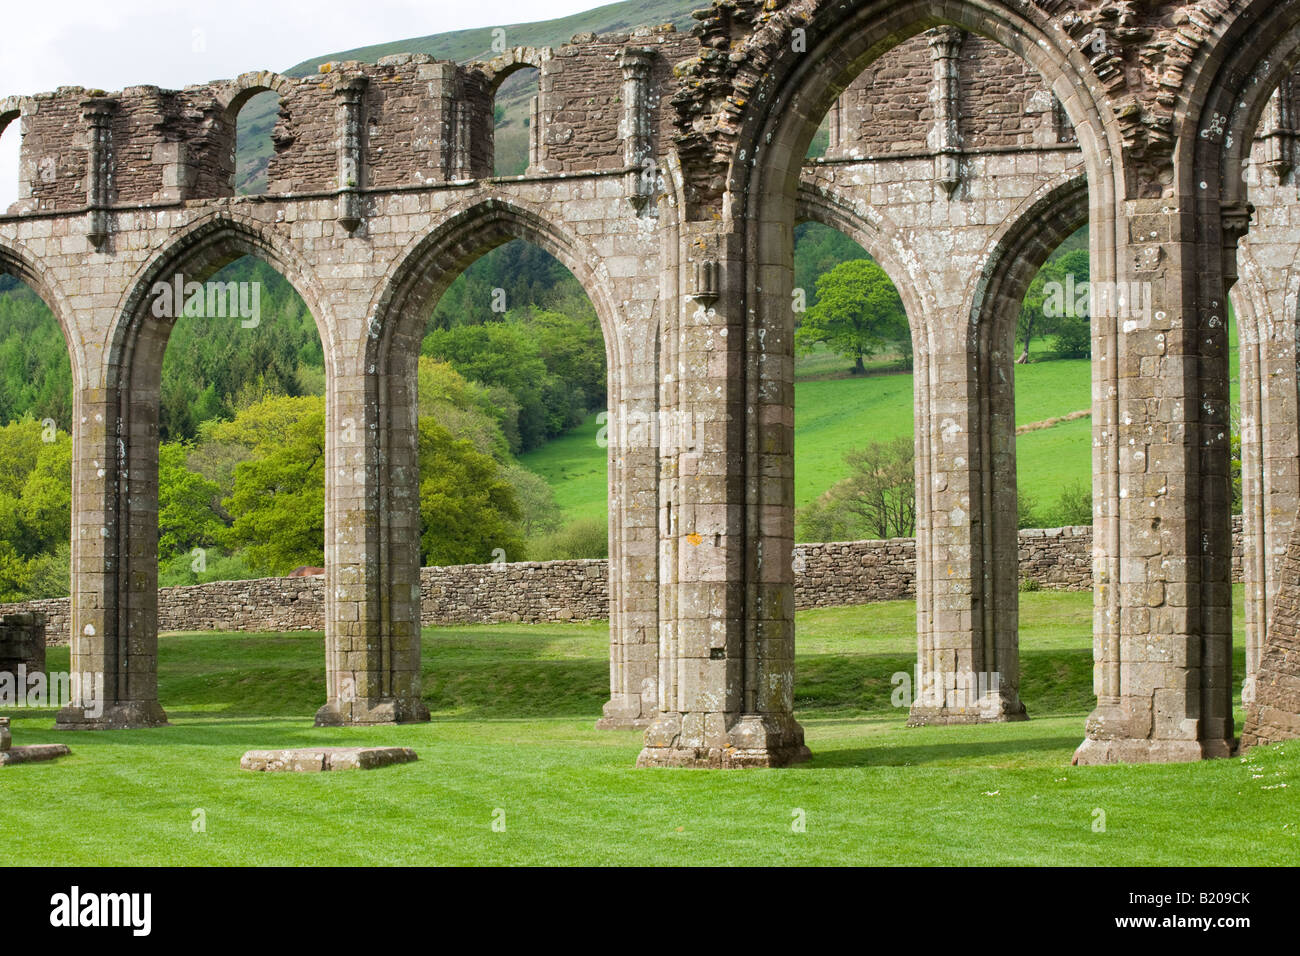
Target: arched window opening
853, 358
1053, 391
242, 431
514, 123
254, 144
512, 398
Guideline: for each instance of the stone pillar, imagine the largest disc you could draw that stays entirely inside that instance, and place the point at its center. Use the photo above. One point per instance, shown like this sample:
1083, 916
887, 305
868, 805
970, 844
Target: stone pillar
1163, 634
372, 557
534, 135
945, 94
351, 92
635, 125
97, 114
967, 668
1270, 352
114, 621
637, 436
726, 637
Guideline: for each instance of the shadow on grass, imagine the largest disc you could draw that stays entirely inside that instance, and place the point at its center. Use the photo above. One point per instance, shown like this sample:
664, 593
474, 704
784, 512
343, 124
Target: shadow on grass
888, 754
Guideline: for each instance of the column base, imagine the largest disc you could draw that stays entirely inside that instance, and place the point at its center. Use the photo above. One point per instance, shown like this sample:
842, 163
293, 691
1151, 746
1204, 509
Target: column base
623, 712
990, 711
367, 713
129, 715
1096, 752
755, 740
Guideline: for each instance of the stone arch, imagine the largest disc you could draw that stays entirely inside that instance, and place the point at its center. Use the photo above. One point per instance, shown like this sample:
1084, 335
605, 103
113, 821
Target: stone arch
430, 262
115, 600
500, 68
396, 320
233, 95
780, 100
203, 248
18, 260
870, 228
1216, 117
1029, 237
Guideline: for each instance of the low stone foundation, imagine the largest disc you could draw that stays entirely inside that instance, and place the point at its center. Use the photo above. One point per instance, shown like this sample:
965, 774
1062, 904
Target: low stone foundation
831, 574
324, 759
33, 753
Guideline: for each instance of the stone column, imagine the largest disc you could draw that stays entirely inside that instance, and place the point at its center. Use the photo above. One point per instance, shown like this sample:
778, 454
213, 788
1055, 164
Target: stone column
967, 668
1270, 352
350, 93
97, 114
945, 94
635, 125
1163, 637
372, 557
726, 640
114, 620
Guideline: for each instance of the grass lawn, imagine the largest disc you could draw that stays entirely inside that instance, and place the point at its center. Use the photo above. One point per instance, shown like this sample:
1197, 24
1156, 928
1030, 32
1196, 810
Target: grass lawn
512, 731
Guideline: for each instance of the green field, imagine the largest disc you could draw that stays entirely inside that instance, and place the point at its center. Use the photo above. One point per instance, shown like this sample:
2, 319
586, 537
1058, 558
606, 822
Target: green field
512, 731
836, 415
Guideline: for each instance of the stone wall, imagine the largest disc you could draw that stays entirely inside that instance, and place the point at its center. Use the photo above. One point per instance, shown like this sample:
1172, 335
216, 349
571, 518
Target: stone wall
826, 575
22, 643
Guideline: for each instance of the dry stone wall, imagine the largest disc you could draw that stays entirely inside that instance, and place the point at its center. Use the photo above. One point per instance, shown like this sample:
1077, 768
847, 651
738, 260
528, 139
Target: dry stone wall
826, 575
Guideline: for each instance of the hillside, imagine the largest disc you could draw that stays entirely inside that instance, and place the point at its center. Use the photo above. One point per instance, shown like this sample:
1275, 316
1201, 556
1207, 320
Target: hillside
465, 46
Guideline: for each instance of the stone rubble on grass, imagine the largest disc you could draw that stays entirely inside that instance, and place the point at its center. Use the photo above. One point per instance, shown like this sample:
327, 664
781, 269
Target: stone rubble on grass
35, 753
318, 759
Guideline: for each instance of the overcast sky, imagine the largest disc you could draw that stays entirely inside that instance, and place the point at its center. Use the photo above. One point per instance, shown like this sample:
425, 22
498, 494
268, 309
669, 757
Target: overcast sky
111, 44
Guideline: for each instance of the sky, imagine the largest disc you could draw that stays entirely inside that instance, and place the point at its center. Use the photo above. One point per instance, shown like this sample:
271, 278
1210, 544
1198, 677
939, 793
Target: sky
111, 44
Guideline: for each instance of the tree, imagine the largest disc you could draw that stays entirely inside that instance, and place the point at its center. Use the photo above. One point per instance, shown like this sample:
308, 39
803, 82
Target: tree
1056, 304
185, 498
876, 500
35, 507
858, 312
468, 511
278, 504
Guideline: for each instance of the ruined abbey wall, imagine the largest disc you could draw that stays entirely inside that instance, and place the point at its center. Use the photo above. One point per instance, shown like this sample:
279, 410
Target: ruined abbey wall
957, 165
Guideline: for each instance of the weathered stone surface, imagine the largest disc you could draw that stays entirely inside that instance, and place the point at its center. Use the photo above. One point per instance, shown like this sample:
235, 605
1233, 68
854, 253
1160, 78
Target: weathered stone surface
22, 642
321, 759
1274, 713
32, 753
668, 173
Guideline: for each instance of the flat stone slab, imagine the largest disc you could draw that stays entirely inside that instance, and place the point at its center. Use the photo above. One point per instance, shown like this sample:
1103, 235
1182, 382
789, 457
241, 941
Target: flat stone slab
34, 753
319, 759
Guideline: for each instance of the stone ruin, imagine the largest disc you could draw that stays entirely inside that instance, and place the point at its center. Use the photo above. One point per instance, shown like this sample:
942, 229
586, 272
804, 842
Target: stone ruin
667, 172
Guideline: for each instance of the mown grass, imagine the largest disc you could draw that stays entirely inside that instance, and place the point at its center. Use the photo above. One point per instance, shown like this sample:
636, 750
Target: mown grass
513, 732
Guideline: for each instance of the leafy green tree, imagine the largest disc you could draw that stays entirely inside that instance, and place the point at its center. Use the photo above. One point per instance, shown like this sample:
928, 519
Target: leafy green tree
186, 519
858, 313
876, 500
35, 507
468, 511
278, 503
1047, 295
